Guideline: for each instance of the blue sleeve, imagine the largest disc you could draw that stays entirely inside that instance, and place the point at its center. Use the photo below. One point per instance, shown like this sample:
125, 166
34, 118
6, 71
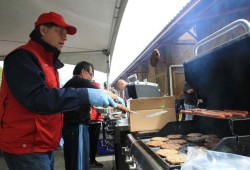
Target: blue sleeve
26, 81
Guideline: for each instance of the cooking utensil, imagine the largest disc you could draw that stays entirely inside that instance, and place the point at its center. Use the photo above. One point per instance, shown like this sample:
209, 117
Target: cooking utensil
104, 110
156, 113
123, 108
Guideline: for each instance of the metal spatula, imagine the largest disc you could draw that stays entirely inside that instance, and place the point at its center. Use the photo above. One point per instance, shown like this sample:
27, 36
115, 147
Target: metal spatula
123, 108
156, 113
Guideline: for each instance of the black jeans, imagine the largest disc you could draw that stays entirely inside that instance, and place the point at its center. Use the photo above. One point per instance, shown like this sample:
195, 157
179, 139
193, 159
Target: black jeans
76, 146
94, 131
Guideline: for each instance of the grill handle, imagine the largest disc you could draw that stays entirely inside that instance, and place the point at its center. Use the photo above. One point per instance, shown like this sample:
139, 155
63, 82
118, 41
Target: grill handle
129, 160
125, 150
229, 27
133, 166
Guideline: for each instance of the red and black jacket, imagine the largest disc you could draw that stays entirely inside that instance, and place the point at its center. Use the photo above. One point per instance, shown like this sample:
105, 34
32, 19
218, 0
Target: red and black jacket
31, 101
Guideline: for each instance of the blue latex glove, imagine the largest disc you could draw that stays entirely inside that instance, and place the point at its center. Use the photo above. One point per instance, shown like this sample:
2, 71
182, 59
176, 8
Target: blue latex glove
99, 98
120, 100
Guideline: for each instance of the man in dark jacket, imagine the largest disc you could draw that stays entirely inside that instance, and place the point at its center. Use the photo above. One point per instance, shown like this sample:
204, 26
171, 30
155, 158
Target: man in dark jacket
31, 101
75, 129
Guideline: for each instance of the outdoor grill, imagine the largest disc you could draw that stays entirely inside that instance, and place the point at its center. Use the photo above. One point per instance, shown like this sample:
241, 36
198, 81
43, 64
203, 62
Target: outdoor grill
234, 134
220, 76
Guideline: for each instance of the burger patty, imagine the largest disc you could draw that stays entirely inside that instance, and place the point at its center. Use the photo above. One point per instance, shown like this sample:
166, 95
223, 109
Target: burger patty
212, 140
170, 146
209, 136
176, 158
174, 136
194, 134
159, 139
177, 141
166, 152
154, 143
195, 139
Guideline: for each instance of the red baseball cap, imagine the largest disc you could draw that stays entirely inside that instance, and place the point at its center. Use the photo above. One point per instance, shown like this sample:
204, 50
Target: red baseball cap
56, 19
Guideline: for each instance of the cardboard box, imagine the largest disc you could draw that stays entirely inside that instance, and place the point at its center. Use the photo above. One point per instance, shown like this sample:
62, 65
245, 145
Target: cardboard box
144, 107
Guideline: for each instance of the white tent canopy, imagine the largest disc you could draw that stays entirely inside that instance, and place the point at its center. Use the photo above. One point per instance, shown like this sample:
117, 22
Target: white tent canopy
97, 23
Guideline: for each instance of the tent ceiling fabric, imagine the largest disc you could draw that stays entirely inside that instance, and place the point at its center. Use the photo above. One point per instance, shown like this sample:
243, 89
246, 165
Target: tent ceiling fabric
97, 25
99, 59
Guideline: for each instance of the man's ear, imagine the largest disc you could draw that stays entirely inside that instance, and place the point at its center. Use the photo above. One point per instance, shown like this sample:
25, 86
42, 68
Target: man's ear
82, 72
43, 29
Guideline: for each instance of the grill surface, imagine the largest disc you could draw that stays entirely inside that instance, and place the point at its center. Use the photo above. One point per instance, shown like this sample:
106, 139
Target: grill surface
229, 130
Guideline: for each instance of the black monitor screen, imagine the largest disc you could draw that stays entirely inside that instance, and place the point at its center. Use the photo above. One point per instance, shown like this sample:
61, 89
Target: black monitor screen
141, 90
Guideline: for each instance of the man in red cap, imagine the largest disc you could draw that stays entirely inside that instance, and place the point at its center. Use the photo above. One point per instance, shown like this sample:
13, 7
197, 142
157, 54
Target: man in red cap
31, 100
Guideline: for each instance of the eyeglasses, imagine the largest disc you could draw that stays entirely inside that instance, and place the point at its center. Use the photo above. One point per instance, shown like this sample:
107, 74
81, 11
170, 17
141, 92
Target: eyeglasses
91, 74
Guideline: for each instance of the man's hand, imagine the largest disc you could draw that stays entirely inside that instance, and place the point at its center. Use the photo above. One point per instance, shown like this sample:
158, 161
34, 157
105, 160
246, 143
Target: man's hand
98, 98
120, 100
199, 101
189, 91
115, 97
